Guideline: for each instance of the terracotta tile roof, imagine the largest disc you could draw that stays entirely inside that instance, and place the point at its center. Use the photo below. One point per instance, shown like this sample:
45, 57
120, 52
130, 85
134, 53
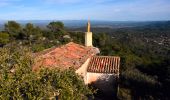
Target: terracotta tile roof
104, 64
69, 55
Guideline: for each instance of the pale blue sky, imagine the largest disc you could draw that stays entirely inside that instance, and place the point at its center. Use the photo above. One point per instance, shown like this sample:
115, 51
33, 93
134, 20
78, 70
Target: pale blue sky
115, 10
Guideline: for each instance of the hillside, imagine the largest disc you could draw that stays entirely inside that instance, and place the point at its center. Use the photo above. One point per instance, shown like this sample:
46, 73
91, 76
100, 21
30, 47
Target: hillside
144, 51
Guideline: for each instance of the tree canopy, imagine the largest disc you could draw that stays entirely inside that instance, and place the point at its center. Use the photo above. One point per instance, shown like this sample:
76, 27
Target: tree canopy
13, 28
55, 26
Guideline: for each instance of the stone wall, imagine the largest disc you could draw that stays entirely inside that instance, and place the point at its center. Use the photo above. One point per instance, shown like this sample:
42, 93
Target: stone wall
106, 83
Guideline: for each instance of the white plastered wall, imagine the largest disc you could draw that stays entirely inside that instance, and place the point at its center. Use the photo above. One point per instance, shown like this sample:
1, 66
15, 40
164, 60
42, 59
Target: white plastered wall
82, 71
88, 39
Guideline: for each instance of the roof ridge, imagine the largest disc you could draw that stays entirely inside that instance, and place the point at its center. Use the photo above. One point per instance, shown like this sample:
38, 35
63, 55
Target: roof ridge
71, 43
107, 56
52, 48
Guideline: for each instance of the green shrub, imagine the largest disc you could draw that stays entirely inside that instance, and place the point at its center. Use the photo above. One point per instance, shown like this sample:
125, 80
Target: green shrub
4, 38
18, 81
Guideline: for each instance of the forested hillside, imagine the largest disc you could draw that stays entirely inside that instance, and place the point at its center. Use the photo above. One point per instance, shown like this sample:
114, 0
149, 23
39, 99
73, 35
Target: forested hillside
144, 52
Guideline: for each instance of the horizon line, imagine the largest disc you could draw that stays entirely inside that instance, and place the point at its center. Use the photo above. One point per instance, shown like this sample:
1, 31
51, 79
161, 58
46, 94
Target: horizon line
80, 20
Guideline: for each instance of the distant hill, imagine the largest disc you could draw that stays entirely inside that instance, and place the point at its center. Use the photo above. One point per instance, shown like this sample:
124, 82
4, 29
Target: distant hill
77, 24
136, 26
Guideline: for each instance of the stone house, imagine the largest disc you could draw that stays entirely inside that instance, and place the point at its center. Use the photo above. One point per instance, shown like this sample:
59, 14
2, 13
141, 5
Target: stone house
100, 70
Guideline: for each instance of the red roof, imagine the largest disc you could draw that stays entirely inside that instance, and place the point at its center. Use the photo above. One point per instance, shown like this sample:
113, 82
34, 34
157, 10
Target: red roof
104, 64
69, 55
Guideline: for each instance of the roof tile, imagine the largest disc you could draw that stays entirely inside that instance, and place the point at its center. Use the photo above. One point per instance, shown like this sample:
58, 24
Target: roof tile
69, 55
104, 64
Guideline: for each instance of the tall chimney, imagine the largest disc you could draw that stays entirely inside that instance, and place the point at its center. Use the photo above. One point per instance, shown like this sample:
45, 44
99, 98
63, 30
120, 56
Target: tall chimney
88, 36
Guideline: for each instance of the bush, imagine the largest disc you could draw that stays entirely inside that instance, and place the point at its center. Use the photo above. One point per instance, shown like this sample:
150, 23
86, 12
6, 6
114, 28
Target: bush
140, 85
18, 81
37, 47
4, 38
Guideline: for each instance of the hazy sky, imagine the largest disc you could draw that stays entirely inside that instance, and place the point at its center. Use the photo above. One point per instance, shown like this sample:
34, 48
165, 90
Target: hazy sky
115, 10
